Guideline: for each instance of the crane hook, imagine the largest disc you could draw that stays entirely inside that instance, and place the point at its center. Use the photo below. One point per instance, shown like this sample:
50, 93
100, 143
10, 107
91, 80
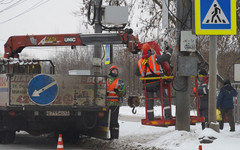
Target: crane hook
133, 110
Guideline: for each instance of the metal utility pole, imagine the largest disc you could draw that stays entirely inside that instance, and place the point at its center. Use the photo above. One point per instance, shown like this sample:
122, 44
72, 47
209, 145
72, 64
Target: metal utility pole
216, 29
96, 62
212, 83
182, 82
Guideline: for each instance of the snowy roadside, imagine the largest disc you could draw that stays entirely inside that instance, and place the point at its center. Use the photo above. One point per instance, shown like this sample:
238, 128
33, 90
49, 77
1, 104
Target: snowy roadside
133, 135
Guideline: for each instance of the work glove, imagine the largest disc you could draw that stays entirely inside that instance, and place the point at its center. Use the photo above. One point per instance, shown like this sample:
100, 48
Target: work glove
116, 90
121, 84
169, 50
167, 47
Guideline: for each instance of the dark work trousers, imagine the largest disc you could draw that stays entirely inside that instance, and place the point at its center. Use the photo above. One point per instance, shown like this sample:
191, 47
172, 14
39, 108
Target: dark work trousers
155, 88
114, 126
204, 113
230, 118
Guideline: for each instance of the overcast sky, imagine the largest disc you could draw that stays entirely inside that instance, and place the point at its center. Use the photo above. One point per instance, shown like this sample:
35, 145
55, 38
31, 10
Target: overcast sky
22, 17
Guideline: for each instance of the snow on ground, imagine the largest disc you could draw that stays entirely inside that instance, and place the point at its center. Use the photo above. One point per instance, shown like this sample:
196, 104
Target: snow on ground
133, 135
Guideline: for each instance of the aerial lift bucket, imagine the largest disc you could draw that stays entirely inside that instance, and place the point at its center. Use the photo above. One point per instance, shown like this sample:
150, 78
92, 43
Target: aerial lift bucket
160, 120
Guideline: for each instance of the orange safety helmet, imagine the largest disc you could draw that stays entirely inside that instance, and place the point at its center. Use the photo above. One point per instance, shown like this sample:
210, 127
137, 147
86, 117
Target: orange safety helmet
113, 67
146, 47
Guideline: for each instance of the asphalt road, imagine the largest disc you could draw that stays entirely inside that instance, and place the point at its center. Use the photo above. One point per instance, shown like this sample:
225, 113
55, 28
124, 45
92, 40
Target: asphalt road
24, 141
28, 142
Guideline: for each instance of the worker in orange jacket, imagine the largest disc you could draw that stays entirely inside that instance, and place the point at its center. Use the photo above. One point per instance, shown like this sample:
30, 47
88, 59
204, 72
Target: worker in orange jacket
115, 91
150, 66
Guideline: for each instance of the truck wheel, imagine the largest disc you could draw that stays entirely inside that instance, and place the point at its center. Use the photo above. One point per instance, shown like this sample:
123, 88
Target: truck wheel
7, 137
75, 138
70, 137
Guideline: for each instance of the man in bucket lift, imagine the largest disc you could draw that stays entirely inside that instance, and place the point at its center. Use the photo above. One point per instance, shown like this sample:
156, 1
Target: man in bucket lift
150, 66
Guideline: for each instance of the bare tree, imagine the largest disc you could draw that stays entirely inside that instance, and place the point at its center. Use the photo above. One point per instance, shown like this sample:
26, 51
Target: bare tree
145, 17
77, 59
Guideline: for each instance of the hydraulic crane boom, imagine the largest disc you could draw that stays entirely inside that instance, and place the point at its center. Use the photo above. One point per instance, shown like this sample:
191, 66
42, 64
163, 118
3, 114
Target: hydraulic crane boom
16, 44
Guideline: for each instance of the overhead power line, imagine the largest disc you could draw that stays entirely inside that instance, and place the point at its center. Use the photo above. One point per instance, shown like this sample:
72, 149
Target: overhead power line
12, 5
38, 4
2, 2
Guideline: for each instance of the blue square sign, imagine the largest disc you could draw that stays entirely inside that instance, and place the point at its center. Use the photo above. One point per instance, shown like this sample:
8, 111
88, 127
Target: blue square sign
215, 17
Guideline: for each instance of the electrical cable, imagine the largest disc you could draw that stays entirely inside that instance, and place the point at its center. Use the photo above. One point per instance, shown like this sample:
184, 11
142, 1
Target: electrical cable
103, 57
13, 5
132, 5
91, 21
183, 89
172, 12
186, 18
182, 23
1, 2
110, 2
26, 11
105, 27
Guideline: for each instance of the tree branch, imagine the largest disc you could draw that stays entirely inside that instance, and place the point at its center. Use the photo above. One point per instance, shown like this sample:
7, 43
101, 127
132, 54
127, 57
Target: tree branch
172, 18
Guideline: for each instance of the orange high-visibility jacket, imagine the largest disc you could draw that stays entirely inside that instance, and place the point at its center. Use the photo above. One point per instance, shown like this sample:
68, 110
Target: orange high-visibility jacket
155, 67
112, 95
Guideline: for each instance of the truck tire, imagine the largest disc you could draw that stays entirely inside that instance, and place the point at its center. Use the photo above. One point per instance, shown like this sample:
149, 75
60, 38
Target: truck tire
69, 136
7, 137
75, 138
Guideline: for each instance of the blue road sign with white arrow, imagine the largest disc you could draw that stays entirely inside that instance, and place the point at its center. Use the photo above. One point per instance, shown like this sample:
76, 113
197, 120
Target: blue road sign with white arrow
42, 89
215, 17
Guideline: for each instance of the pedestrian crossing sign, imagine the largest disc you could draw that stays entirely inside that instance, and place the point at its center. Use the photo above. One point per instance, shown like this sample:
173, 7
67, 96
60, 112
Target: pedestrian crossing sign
215, 17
